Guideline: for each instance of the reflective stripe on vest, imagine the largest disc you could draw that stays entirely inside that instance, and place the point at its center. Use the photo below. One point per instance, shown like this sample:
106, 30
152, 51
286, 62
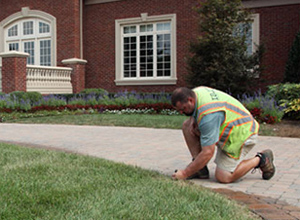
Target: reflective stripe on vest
216, 105
228, 128
237, 121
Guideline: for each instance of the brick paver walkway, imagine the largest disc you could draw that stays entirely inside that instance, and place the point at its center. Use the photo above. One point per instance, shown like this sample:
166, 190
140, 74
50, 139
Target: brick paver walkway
164, 150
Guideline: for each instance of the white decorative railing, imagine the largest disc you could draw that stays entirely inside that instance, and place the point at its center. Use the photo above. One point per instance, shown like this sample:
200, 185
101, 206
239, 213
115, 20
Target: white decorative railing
49, 80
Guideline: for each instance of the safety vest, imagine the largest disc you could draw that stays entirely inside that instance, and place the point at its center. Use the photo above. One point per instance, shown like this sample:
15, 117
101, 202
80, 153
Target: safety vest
238, 125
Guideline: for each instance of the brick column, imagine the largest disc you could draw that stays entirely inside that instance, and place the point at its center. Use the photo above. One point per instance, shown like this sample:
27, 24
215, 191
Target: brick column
14, 66
78, 73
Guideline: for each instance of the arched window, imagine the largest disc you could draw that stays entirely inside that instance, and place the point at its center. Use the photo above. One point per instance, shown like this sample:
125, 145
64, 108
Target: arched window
32, 36
32, 32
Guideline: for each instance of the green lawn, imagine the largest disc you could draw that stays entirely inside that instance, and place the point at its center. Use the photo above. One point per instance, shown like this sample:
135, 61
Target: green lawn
43, 184
129, 120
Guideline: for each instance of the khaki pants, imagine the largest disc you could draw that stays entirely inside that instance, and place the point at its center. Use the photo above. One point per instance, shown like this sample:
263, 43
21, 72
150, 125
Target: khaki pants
227, 163
222, 160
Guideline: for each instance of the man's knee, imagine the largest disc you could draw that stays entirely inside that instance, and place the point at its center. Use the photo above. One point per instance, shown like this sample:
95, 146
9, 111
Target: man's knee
189, 126
223, 176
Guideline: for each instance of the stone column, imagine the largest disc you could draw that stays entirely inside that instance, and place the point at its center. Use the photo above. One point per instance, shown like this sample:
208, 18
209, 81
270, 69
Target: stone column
14, 66
78, 73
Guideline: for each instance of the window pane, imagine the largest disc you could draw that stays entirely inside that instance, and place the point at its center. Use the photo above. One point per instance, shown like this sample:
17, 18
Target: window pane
146, 28
45, 53
167, 72
13, 31
130, 59
29, 48
245, 30
146, 59
126, 74
13, 46
163, 55
159, 73
167, 37
129, 29
249, 40
126, 46
44, 28
28, 27
126, 30
163, 27
150, 73
143, 73
143, 28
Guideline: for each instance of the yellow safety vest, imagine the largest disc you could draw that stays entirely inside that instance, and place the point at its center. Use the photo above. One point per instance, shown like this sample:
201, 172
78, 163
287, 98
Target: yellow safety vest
238, 125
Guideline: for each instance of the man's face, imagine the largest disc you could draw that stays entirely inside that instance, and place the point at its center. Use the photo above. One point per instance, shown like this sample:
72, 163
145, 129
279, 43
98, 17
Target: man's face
186, 108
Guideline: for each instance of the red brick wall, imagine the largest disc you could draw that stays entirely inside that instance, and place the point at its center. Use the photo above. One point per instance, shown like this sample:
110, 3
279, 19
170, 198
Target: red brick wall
278, 28
13, 74
99, 38
67, 17
78, 77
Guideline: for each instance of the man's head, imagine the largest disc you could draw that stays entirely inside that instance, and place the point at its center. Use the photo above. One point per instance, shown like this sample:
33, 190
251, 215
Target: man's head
183, 99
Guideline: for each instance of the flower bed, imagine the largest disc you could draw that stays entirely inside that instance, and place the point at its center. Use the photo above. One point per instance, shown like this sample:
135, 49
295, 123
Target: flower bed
263, 108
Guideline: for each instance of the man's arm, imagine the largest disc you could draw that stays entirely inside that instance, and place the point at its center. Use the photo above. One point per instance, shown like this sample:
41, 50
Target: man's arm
209, 130
200, 161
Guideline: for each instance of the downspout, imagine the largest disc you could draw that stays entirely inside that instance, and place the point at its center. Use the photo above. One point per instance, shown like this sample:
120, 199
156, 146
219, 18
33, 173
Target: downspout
81, 29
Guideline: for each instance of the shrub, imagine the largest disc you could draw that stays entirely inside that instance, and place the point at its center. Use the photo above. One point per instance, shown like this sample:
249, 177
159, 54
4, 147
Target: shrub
287, 95
3, 100
33, 97
21, 97
292, 109
284, 91
95, 91
17, 96
53, 100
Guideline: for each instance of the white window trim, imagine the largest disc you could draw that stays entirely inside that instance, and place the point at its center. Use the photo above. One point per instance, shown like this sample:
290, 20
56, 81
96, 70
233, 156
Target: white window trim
255, 32
26, 13
92, 2
120, 80
268, 3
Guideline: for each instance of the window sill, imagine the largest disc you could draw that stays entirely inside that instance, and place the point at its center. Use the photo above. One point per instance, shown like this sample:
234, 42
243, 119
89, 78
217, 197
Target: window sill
131, 82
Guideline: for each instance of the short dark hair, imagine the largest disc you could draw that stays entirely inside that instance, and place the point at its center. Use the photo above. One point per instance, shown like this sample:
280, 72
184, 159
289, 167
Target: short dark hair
181, 95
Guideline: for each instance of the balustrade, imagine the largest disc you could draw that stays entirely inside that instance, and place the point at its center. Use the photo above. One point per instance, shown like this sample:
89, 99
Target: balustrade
49, 80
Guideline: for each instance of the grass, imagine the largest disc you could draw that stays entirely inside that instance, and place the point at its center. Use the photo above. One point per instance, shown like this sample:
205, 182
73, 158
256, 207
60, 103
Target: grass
283, 129
43, 184
129, 120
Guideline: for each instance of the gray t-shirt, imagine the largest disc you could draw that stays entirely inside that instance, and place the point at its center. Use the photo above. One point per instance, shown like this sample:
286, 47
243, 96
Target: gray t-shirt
210, 128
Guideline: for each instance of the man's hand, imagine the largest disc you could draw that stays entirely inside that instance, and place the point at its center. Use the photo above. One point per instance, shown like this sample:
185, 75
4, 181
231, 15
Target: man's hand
179, 175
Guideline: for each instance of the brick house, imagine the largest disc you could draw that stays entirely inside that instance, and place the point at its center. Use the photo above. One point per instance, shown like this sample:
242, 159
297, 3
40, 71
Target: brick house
126, 44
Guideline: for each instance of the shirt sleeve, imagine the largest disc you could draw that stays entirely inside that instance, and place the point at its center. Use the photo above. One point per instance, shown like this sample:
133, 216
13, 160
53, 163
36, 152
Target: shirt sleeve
210, 128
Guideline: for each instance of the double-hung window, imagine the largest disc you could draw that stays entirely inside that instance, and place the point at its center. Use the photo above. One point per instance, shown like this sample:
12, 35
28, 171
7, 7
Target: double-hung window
32, 36
145, 51
251, 35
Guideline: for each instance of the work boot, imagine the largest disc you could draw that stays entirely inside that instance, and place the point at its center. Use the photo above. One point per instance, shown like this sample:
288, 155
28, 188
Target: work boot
266, 164
201, 174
